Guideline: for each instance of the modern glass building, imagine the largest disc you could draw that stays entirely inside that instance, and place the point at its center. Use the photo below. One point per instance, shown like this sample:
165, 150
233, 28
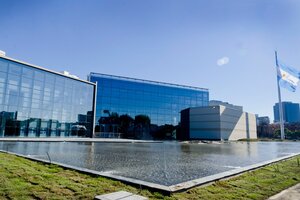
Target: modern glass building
36, 102
161, 102
291, 112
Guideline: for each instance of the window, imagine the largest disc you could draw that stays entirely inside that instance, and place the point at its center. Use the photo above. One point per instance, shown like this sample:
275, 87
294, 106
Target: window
3, 76
38, 75
14, 69
26, 82
27, 72
13, 79
3, 65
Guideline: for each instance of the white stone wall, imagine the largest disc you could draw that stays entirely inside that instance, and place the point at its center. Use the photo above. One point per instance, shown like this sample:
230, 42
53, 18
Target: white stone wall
221, 123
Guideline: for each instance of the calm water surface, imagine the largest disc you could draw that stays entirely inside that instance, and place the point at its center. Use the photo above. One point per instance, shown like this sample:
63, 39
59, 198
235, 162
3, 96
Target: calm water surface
163, 163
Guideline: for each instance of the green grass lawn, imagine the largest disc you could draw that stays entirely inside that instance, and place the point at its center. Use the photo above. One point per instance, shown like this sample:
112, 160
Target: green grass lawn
21, 178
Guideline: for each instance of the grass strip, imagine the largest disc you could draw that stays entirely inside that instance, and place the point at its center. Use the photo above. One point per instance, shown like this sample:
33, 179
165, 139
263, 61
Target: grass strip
21, 178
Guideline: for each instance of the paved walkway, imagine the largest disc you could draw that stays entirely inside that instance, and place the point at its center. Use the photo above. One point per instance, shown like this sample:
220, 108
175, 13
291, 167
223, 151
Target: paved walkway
70, 139
292, 193
121, 195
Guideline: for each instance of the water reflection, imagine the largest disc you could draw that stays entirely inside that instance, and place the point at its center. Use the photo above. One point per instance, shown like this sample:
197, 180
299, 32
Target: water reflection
163, 163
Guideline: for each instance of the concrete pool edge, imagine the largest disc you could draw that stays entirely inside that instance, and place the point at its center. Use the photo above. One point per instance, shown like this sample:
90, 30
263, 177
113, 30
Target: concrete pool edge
223, 175
75, 139
163, 188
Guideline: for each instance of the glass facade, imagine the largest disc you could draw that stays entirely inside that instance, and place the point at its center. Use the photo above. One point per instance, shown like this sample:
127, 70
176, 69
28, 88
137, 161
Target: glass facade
161, 102
291, 112
38, 103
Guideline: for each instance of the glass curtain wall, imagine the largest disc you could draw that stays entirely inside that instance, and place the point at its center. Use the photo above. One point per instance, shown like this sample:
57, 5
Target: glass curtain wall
38, 103
161, 102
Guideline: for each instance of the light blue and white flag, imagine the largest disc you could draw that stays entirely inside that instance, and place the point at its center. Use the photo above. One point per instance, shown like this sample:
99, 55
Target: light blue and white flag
288, 77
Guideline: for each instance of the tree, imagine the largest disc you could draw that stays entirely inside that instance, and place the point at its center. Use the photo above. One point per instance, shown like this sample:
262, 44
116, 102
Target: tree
114, 118
165, 132
110, 123
141, 126
142, 120
126, 122
287, 133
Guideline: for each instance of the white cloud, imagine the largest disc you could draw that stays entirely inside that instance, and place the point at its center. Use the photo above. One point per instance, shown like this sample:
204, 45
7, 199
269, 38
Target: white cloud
223, 61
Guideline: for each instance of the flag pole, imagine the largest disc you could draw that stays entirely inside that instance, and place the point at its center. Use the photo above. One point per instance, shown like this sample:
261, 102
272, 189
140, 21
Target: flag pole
280, 103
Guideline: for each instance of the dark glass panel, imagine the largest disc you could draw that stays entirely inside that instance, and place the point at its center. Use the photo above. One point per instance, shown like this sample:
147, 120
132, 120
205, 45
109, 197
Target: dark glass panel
45, 128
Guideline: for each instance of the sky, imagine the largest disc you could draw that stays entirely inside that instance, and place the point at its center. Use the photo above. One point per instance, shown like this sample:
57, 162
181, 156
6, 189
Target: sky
225, 46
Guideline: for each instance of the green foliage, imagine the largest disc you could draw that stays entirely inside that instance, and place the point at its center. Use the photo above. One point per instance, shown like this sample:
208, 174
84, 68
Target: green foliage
288, 133
276, 168
24, 179
293, 135
142, 119
125, 122
164, 132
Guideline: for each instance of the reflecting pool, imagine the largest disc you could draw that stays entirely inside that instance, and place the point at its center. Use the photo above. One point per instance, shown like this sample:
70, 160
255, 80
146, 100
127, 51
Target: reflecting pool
165, 163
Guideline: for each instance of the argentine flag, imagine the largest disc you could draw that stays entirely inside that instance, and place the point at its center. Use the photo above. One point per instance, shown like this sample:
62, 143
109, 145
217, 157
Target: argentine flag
288, 77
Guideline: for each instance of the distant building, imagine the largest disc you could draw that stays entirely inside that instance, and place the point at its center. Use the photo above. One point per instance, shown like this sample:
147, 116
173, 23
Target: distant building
263, 126
291, 112
217, 123
264, 120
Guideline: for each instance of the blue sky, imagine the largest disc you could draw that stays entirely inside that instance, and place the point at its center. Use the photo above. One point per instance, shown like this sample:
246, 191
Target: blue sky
225, 46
